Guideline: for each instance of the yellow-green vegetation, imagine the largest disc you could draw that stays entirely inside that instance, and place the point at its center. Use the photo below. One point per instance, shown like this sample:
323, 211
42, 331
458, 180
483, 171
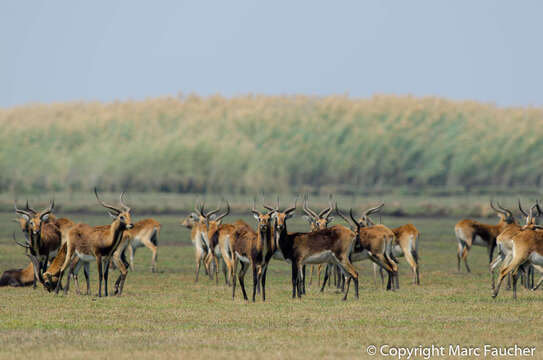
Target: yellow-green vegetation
167, 315
271, 143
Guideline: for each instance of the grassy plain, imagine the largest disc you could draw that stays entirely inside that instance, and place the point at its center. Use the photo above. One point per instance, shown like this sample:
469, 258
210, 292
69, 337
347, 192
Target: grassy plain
167, 315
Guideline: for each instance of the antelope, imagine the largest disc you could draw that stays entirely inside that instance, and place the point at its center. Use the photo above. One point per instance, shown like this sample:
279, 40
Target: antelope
527, 248
406, 240
331, 245
317, 222
471, 232
19, 277
254, 249
144, 233
374, 243
504, 240
99, 243
197, 222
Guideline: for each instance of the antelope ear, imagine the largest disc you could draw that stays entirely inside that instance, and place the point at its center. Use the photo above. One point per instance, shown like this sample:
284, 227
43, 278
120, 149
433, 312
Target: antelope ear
212, 217
329, 219
256, 217
308, 219
219, 222
45, 218
112, 215
289, 215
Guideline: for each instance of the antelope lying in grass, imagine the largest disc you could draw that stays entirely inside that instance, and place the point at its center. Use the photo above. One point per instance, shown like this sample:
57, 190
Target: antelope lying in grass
99, 243
527, 249
504, 240
331, 245
254, 249
144, 233
374, 243
471, 232
19, 277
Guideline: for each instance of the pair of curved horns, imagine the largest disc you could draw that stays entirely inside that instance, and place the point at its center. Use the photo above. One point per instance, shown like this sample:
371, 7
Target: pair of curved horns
123, 207
324, 214
286, 211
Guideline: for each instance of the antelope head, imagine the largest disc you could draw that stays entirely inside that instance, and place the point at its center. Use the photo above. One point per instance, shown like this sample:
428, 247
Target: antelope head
36, 222
281, 217
321, 220
23, 219
504, 214
365, 219
263, 219
122, 214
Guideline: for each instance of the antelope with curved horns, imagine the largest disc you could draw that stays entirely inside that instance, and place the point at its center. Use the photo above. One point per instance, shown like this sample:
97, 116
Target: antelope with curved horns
374, 243
527, 249
318, 222
331, 245
19, 277
254, 249
471, 232
99, 243
504, 240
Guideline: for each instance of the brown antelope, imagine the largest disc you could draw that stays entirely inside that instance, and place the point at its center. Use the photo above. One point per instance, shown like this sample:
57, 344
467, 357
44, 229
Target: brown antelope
406, 240
254, 249
504, 240
317, 222
144, 233
374, 243
99, 243
331, 245
471, 232
527, 249
18, 277
197, 222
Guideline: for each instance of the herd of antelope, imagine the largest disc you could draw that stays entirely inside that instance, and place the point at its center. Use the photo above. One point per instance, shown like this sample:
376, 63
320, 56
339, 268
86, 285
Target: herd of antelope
55, 245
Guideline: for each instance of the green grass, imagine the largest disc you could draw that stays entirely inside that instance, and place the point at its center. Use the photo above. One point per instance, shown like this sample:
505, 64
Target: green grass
167, 315
253, 144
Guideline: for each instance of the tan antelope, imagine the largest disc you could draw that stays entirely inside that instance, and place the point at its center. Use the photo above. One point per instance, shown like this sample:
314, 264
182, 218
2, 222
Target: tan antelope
471, 232
99, 243
317, 222
504, 240
331, 245
20, 277
374, 243
251, 249
144, 233
406, 240
527, 249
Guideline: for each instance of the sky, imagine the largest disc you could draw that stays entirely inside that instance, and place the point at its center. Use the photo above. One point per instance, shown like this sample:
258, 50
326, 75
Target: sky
55, 51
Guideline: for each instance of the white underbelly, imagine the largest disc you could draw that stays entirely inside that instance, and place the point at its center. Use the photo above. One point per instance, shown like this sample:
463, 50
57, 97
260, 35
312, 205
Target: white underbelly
479, 242
136, 243
359, 256
85, 257
242, 258
320, 258
536, 259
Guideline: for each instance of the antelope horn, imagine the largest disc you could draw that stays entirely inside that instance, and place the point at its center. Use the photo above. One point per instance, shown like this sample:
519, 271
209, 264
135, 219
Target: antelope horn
292, 208
48, 210
226, 213
521, 209
267, 207
253, 210
21, 212
538, 208
308, 211
342, 216
352, 217
26, 246
373, 210
326, 212
496, 210
28, 208
107, 206
124, 206
214, 211
507, 212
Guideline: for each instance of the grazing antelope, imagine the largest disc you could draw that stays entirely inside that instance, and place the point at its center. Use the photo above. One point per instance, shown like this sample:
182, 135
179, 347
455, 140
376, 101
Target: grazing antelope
317, 222
144, 233
99, 243
331, 245
527, 249
254, 249
374, 243
471, 232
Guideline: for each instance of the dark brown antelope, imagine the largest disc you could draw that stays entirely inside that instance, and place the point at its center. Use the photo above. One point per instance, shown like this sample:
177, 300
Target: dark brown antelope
99, 243
470, 232
331, 245
251, 249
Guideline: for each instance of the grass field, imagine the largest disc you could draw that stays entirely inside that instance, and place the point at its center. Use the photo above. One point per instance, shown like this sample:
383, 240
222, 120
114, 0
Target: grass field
167, 315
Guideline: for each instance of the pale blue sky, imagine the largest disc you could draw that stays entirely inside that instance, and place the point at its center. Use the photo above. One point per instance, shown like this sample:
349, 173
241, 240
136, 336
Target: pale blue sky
106, 50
